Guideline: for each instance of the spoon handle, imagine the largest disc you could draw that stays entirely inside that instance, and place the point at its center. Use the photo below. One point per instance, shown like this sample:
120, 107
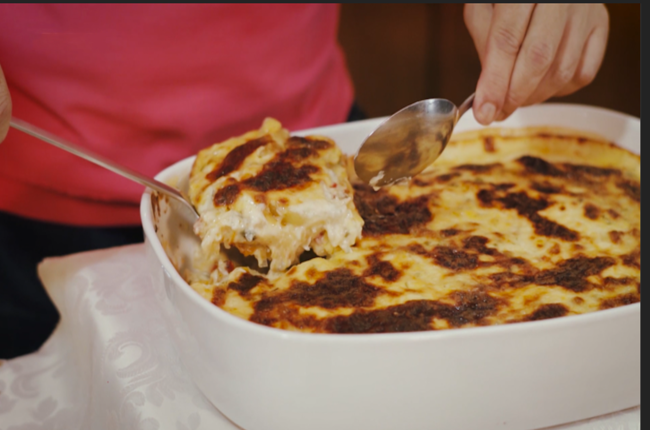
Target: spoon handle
465, 106
97, 159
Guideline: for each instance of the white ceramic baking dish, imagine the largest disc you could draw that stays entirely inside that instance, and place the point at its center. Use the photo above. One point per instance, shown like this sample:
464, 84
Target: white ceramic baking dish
518, 376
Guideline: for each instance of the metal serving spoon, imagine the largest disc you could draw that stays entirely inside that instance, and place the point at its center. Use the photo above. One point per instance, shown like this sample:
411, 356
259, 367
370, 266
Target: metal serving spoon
101, 161
408, 141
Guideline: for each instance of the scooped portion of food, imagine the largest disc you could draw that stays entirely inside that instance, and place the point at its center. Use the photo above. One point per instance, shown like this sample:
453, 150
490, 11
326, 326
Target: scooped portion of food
273, 196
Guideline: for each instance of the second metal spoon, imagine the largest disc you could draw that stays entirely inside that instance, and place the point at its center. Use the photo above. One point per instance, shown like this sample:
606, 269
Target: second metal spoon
101, 161
408, 141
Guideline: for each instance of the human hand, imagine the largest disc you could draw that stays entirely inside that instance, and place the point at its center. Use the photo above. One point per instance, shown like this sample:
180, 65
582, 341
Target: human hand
532, 52
5, 107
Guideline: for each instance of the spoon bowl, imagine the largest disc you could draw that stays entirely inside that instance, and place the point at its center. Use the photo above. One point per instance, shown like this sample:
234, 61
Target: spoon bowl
407, 142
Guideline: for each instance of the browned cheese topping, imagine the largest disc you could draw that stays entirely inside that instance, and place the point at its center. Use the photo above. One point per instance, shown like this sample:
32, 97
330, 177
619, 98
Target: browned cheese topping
508, 226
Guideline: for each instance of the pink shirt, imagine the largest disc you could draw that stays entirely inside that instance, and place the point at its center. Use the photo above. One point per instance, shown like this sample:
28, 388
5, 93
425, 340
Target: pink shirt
148, 85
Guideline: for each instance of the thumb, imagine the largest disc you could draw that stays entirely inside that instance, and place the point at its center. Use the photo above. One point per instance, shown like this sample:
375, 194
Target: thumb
5, 107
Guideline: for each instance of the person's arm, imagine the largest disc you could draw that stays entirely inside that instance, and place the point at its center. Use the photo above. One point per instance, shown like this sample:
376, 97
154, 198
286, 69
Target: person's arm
5, 107
532, 52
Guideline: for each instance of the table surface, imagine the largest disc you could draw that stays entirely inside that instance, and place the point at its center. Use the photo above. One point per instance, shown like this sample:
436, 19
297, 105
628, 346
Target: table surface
111, 364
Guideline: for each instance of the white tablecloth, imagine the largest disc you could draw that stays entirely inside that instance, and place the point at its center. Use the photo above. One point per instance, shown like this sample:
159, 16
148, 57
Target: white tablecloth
110, 364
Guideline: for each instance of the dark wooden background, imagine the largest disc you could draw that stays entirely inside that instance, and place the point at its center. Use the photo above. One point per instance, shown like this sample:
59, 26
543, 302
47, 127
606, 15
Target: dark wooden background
401, 53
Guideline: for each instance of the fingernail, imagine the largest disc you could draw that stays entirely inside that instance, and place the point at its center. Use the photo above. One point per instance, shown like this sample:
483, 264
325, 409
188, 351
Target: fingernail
487, 112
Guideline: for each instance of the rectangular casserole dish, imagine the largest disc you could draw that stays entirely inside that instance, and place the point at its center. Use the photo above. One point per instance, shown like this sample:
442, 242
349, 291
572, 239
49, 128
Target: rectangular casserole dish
519, 376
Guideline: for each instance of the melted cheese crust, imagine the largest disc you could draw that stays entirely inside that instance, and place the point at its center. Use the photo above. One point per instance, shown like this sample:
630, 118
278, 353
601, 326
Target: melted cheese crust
273, 197
508, 225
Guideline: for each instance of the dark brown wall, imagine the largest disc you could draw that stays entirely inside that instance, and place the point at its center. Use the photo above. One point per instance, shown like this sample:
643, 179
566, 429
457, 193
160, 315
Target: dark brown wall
401, 53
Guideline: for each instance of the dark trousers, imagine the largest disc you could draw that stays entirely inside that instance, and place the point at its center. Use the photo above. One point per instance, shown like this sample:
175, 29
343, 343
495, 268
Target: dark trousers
27, 315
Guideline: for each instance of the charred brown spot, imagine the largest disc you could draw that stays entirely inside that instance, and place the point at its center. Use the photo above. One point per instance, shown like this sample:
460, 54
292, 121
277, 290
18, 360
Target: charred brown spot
311, 142
488, 144
523, 204
478, 168
383, 269
581, 171
615, 282
227, 195
591, 211
218, 297
615, 236
613, 214
518, 261
280, 176
622, 300
509, 279
467, 257
236, 157
448, 257
555, 249
631, 188
546, 188
486, 197
578, 300
470, 307
550, 228
572, 273
301, 148
633, 259
538, 166
416, 315
384, 214
574, 172
292, 155
418, 249
478, 243
449, 232
447, 177
547, 311
453, 258
338, 288
528, 208
245, 283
